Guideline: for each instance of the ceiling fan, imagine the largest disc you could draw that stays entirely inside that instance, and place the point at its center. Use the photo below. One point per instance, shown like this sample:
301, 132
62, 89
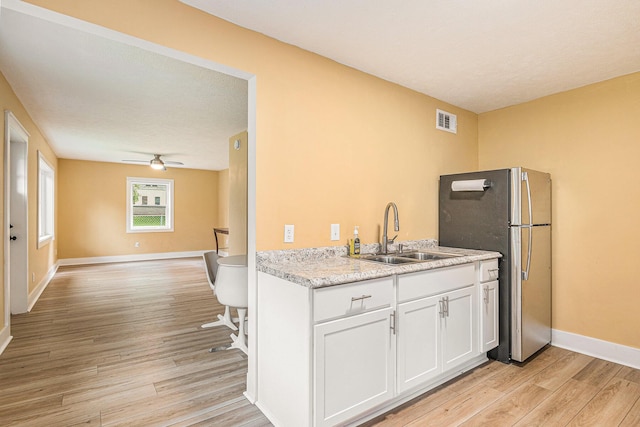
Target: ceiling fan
156, 162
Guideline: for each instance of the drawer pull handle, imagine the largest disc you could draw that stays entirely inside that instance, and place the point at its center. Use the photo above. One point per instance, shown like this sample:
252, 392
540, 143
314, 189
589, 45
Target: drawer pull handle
353, 299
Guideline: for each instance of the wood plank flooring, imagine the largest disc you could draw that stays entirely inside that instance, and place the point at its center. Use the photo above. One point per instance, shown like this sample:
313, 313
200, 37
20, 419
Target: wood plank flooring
557, 388
120, 345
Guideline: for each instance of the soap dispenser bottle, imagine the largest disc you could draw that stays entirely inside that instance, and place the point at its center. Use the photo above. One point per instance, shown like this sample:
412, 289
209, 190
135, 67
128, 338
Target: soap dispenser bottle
356, 243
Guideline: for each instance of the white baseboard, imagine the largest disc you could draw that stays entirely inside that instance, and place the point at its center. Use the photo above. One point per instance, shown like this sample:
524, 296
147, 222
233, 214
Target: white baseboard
35, 294
5, 338
128, 258
605, 350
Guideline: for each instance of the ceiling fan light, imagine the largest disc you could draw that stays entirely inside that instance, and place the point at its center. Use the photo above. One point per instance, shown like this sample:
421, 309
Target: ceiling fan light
157, 164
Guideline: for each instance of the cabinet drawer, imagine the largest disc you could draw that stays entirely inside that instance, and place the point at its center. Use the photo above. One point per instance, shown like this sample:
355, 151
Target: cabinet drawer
488, 270
341, 300
433, 282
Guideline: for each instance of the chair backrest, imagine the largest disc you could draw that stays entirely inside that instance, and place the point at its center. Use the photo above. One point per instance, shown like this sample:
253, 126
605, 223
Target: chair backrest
211, 266
232, 286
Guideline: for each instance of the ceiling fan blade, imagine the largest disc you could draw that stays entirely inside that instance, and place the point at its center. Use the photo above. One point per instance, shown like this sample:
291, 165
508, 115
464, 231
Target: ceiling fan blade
169, 162
138, 162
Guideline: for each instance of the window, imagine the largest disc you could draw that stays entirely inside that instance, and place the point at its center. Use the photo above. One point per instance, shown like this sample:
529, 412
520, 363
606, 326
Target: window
142, 217
46, 199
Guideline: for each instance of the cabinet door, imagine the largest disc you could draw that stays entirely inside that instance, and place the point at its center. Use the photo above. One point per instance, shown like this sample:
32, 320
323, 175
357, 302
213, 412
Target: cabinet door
418, 341
459, 328
353, 365
489, 316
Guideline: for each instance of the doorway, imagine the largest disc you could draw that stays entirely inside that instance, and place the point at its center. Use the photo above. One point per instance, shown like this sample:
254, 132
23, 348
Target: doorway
16, 218
49, 16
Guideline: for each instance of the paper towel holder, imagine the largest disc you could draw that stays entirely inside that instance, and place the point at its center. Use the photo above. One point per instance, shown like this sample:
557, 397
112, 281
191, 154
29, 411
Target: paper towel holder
471, 185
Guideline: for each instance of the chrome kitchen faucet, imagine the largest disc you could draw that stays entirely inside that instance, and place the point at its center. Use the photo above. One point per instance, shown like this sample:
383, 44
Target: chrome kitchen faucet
396, 226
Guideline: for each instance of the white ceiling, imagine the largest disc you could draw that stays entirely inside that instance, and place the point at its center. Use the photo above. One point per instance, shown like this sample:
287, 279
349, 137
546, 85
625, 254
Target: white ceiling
480, 55
98, 99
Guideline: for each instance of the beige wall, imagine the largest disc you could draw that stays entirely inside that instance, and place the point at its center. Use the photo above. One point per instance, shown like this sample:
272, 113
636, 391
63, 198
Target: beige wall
223, 198
43, 259
589, 140
238, 194
92, 210
332, 142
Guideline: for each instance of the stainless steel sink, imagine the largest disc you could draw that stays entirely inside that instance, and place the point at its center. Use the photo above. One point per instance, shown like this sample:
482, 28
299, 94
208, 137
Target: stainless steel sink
387, 259
428, 256
408, 257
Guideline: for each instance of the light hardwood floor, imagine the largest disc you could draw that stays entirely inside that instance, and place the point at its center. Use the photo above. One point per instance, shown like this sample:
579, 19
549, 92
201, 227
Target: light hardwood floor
557, 388
120, 344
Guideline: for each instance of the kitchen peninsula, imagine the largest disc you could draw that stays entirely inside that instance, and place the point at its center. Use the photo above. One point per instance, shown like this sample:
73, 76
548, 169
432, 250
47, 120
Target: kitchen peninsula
341, 340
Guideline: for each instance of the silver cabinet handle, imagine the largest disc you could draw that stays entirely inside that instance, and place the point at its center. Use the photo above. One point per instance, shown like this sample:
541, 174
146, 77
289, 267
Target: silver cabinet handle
393, 322
444, 307
486, 294
353, 299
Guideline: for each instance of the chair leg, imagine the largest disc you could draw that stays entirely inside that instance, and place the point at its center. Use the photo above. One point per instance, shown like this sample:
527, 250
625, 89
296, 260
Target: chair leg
240, 340
225, 320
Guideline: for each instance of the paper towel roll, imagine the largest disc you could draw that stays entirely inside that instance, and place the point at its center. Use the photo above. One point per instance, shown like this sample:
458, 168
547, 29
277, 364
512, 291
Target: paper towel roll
470, 185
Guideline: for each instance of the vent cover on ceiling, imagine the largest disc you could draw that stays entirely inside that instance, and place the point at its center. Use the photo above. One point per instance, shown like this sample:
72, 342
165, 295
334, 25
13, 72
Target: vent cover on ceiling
446, 121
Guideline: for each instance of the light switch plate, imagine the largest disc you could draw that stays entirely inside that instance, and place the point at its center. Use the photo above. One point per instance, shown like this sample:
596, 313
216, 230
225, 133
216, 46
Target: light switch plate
335, 231
288, 233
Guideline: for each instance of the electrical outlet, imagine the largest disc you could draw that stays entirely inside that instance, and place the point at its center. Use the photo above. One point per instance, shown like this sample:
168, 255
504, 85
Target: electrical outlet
288, 233
335, 231
136, 245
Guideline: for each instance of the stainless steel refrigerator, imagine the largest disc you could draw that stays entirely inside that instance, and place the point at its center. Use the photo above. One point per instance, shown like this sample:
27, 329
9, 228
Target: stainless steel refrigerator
508, 211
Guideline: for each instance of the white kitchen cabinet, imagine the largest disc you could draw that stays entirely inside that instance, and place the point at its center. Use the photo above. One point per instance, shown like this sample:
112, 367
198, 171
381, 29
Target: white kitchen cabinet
353, 365
439, 332
488, 297
459, 327
326, 354
489, 316
419, 350
340, 355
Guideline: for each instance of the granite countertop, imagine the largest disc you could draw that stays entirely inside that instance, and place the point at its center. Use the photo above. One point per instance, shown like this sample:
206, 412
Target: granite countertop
320, 267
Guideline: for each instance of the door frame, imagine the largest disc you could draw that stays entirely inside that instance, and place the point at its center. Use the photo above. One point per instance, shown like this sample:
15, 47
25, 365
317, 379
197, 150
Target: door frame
15, 294
23, 7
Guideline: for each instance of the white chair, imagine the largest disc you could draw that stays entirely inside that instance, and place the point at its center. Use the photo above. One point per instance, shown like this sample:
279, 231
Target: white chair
211, 267
232, 290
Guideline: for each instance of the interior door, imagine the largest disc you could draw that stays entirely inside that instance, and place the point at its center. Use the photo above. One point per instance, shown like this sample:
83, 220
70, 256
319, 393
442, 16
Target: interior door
16, 216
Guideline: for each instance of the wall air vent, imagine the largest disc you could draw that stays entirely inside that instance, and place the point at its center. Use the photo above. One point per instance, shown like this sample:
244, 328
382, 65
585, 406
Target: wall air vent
446, 121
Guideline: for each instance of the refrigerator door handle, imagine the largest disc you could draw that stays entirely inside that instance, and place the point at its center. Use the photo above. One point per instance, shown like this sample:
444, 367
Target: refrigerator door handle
525, 178
525, 272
